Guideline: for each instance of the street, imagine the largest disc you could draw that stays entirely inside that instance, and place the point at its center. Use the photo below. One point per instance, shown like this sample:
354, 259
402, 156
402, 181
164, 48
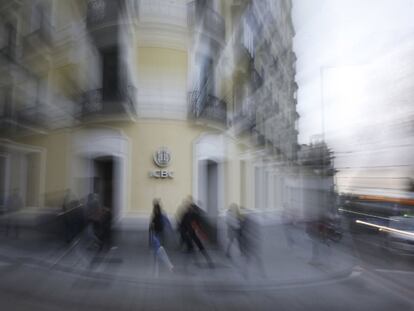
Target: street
124, 280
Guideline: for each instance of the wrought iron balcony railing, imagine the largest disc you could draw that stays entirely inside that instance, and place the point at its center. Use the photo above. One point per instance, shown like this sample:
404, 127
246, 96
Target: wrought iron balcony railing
23, 118
205, 106
91, 102
32, 116
95, 103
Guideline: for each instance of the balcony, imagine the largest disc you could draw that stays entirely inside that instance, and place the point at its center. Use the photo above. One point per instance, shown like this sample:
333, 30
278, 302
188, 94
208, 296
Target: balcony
204, 106
14, 120
95, 105
34, 116
206, 21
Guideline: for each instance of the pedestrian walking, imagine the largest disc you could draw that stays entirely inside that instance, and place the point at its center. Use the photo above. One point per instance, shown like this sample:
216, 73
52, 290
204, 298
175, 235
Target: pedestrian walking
316, 230
94, 218
233, 218
192, 230
158, 225
251, 244
287, 224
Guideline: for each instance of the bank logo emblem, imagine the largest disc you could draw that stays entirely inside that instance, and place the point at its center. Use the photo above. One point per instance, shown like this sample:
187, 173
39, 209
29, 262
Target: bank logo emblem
162, 157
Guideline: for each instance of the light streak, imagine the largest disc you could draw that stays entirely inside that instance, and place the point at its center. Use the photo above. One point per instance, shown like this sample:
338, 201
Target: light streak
387, 229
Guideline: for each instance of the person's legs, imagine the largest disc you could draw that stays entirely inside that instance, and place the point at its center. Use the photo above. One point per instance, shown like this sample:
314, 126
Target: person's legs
162, 255
94, 241
189, 249
315, 260
188, 243
288, 235
156, 265
200, 246
230, 242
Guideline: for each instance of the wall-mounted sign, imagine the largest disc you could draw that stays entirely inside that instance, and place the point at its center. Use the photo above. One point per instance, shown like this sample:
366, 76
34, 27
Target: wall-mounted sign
161, 174
162, 158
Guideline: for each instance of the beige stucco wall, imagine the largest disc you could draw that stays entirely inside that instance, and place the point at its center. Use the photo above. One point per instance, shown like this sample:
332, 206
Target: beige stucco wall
145, 137
55, 144
162, 88
162, 83
50, 167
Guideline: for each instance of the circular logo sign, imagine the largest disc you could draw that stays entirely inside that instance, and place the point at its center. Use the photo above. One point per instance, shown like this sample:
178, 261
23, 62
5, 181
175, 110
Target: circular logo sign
162, 157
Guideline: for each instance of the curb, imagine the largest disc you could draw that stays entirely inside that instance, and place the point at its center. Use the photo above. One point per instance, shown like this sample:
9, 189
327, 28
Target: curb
209, 285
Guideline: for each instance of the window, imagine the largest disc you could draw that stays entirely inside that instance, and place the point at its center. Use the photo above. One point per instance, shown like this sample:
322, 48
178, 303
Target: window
110, 73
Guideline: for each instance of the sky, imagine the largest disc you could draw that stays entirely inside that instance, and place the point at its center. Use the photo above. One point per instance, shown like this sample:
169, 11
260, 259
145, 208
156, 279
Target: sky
355, 72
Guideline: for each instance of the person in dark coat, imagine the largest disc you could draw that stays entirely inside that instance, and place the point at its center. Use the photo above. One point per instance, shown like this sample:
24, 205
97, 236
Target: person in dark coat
94, 218
251, 244
191, 228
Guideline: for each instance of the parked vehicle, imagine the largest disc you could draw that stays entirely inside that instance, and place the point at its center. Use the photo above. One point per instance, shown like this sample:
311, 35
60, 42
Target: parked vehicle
400, 236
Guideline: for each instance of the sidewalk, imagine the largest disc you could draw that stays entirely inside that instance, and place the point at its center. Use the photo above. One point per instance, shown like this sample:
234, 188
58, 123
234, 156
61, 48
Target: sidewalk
277, 264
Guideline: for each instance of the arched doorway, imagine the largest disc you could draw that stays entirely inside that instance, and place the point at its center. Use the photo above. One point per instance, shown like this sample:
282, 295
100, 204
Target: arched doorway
99, 164
103, 180
208, 180
212, 188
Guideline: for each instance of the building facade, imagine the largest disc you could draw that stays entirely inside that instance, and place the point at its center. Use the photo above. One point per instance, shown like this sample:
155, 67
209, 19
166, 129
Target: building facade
143, 99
